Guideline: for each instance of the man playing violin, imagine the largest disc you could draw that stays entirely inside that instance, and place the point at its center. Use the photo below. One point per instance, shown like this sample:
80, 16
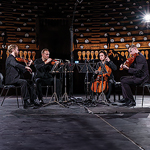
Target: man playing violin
14, 75
105, 60
43, 76
140, 75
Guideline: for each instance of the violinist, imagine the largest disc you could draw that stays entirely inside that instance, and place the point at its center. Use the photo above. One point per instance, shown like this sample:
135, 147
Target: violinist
140, 75
109, 66
43, 76
14, 75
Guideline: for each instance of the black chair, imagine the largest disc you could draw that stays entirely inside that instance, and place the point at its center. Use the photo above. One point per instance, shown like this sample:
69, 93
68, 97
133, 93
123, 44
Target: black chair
7, 88
117, 90
143, 86
43, 86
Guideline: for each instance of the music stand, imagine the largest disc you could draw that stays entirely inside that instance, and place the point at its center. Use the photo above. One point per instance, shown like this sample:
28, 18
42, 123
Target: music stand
54, 98
67, 68
86, 68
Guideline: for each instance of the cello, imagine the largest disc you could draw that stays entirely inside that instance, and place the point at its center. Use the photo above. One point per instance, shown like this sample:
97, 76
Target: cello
99, 85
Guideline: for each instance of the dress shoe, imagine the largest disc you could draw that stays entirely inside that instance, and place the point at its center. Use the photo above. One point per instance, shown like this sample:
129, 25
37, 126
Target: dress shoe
29, 104
41, 102
108, 101
123, 100
36, 103
25, 105
130, 103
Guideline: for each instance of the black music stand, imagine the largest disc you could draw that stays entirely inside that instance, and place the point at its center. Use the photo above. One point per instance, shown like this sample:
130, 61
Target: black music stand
67, 68
54, 98
86, 68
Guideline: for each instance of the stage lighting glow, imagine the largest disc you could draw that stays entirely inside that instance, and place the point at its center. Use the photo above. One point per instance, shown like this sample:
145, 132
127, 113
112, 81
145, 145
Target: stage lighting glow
147, 18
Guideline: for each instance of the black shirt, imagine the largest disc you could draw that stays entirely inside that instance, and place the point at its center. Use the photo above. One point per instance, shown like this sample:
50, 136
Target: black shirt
42, 69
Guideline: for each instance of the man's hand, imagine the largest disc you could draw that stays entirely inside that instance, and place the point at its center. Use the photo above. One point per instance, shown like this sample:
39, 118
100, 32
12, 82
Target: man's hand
96, 71
124, 67
28, 69
48, 60
30, 62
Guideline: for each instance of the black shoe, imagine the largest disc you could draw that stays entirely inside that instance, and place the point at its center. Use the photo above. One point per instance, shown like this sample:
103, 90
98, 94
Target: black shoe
29, 104
130, 103
108, 101
123, 100
41, 102
25, 105
36, 104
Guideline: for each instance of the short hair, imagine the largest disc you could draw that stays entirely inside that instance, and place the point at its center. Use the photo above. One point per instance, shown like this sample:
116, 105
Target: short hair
132, 46
102, 51
43, 50
11, 48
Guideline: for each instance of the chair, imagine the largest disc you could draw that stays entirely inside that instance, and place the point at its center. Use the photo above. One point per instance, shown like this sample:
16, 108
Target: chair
43, 86
7, 87
143, 86
117, 90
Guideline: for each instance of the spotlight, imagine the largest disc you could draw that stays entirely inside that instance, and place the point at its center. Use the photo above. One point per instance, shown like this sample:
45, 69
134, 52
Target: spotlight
80, 1
147, 18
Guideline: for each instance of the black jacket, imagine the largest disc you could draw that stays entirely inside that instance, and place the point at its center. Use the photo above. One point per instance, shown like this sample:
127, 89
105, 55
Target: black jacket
13, 70
42, 69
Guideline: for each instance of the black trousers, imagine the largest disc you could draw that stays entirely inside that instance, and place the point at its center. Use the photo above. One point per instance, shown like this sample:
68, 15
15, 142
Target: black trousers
27, 89
50, 81
126, 82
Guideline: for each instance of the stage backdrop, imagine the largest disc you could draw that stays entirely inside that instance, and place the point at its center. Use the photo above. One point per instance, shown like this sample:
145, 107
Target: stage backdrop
54, 34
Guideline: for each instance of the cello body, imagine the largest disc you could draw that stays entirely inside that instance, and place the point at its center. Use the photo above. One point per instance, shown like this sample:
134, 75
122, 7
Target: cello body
98, 86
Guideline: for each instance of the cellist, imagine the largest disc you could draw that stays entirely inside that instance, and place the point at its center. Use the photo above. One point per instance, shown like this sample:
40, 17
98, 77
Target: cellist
107, 66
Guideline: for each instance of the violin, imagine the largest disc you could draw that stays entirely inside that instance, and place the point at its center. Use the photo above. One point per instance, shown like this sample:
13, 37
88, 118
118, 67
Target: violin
130, 60
22, 60
98, 86
53, 62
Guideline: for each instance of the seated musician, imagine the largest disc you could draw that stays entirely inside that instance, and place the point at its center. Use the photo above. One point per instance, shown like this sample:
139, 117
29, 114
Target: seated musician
43, 76
140, 75
107, 65
14, 75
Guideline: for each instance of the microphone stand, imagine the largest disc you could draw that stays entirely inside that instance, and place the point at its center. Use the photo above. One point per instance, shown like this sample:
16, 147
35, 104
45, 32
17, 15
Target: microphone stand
86, 78
71, 46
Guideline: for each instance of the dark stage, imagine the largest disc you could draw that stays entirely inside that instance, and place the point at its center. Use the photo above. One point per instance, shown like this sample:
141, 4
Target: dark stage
75, 127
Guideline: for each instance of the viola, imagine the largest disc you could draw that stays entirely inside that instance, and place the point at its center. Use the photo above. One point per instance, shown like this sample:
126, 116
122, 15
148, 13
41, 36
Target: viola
53, 62
22, 60
98, 86
130, 60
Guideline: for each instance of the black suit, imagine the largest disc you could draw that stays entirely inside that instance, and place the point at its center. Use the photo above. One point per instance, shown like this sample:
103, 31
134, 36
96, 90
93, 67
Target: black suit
140, 75
44, 77
14, 75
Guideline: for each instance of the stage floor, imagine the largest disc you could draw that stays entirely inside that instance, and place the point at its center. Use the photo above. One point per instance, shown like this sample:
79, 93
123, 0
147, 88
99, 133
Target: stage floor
78, 126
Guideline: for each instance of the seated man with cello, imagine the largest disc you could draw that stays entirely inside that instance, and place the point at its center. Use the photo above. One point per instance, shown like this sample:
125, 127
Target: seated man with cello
138, 67
14, 75
43, 76
104, 67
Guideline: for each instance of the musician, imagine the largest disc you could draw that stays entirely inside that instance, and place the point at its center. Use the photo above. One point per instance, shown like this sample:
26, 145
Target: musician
14, 75
104, 59
140, 75
43, 76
